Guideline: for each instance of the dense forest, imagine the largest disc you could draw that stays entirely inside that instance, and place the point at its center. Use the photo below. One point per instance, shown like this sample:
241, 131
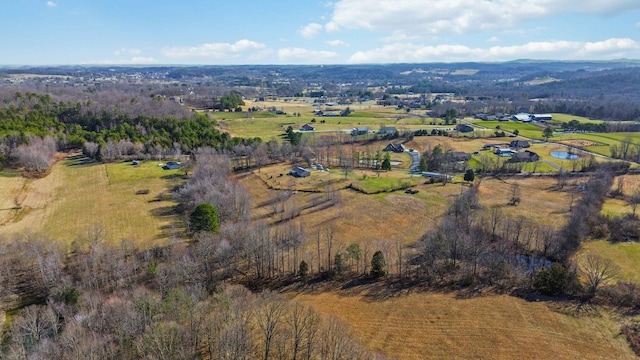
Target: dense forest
108, 127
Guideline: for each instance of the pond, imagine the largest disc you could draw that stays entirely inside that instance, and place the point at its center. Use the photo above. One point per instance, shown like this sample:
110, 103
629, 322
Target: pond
564, 155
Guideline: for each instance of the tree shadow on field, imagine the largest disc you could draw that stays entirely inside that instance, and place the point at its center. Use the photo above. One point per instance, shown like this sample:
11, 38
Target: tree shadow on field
80, 161
177, 176
568, 305
165, 211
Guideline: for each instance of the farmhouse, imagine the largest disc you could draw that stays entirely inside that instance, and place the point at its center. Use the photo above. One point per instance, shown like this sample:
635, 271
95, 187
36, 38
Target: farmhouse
307, 127
464, 128
460, 156
398, 148
359, 131
525, 156
300, 172
518, 144
388, 130
172, 165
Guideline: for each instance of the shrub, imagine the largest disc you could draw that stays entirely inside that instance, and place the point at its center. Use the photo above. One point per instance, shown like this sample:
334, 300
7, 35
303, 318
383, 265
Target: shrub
554, 280
303, 271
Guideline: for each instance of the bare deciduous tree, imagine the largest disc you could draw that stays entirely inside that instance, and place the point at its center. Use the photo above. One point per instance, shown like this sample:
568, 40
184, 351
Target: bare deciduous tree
597, 271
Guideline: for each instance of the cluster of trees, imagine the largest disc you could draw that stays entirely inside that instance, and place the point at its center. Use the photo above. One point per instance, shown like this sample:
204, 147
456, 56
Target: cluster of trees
104, 302
34, 153
625, 150
294, 137
575, 125
439, 159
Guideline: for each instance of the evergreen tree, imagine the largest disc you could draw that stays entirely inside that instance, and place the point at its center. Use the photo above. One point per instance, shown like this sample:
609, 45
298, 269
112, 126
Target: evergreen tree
469, 176
378, 265
204, 218
386, 163
303, 271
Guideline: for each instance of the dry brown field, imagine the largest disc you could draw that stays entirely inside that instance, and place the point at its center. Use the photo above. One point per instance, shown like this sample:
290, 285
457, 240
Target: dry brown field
396, 215
417, 325
445, 326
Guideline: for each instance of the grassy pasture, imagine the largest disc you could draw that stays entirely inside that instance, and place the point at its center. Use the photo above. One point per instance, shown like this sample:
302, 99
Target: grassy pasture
268, 125
564, 118
442, 326
529, 130
76, 196
625, 255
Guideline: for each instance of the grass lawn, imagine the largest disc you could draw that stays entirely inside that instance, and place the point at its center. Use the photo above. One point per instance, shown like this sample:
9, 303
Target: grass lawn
442, 326
564, 118
76, 196
528, 130
626, 255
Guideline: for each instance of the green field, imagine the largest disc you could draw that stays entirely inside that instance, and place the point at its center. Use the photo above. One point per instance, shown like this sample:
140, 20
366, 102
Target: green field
78, 196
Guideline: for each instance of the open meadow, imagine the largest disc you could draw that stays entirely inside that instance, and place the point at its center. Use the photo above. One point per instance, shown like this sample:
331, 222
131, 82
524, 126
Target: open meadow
77, 196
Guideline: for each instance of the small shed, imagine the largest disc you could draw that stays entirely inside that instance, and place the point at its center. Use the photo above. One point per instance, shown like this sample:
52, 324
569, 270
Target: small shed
517, 144
300, 172
307, 127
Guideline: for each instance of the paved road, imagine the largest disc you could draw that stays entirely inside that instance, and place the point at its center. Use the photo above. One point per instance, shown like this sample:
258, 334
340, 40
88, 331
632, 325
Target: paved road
415, 160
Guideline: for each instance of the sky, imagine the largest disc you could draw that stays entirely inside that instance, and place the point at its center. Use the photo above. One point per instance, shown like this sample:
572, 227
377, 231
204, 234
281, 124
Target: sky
215, 32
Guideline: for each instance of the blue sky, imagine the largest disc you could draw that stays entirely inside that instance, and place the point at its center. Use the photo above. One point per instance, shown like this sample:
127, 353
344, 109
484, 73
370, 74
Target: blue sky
65, 32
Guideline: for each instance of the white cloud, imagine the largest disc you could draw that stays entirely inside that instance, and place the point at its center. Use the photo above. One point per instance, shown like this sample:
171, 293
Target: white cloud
142, 60
331, 27
127, 51
51, 4
493, 39
310, 30
306, 56
136, 60
336, 43
430, 17
560, 50
215, 51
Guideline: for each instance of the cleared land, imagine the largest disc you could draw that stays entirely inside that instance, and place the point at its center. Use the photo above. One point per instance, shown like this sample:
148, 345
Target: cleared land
442, 326
77, 195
